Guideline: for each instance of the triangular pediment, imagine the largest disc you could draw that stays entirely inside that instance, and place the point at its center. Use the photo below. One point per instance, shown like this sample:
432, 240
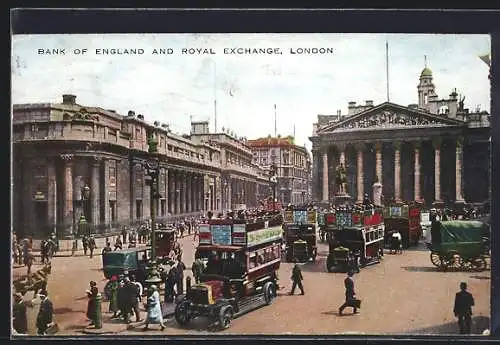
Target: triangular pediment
390, 116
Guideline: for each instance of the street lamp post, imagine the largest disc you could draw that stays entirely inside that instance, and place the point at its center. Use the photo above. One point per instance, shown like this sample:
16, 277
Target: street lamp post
153, 171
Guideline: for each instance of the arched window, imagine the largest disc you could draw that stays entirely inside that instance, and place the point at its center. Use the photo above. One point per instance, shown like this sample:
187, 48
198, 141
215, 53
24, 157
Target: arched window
67, 116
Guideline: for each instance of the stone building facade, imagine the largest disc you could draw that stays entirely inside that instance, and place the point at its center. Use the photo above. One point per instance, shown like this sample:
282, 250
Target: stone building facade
435, 152
293, 163
71, 160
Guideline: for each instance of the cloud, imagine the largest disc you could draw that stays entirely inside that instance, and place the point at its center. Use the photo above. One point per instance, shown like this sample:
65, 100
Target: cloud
170, 88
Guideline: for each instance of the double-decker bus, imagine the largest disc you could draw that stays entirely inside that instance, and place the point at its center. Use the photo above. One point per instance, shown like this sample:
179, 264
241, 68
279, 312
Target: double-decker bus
241, 259
356, 239
300, 235
404, 218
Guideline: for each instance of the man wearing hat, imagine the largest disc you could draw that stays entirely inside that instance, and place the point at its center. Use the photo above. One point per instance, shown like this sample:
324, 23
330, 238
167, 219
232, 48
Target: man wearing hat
349, 294
45, 313
463, 308
130, 293
297, 280
20, 322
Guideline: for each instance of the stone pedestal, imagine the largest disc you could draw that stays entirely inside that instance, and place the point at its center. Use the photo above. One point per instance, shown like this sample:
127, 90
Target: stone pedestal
341, 199
377, 194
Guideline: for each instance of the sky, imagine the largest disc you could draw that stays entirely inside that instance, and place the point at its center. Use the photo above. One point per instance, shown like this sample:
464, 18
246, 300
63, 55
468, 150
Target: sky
174, 88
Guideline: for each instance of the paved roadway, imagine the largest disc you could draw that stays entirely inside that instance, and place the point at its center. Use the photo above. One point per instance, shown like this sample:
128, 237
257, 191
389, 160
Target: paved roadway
403, 294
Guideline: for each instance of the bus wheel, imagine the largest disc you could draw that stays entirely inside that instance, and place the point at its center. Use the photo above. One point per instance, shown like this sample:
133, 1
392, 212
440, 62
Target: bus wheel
269, 292
225, 316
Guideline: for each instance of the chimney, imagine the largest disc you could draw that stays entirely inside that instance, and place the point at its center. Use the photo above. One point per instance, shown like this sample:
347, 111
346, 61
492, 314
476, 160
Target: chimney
339, 112
369, 103
351, 104
69, 99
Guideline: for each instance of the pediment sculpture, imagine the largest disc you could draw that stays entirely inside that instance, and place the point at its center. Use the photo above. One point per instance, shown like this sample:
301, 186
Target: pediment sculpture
386, 119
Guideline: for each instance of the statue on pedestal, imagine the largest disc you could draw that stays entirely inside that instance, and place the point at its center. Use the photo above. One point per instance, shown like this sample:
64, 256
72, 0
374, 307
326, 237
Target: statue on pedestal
341, 179
377, 192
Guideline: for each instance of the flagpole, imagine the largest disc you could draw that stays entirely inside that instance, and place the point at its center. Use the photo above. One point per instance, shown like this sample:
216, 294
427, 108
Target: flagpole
387, 67
215, 96
275, 123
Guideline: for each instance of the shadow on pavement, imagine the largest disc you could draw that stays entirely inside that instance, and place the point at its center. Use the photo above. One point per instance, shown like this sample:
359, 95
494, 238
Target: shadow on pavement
481, 277
436, 269
65, 310
75, 327
479, 324
423, 269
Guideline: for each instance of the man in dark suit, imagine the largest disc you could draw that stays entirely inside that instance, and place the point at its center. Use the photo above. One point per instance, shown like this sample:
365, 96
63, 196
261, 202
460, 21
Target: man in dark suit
19, 314
349, 294
297, 279
44, 317
463, 308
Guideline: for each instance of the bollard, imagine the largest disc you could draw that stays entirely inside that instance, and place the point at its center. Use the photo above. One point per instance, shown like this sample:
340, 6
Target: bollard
98, 311
188, 284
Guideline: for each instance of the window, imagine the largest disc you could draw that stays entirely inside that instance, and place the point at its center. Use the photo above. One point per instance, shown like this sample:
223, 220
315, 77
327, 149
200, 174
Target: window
163, 206
138, 209
112, 210
252, 260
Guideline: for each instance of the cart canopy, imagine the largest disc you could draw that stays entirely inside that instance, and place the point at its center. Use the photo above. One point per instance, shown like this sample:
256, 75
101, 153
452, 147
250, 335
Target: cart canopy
463, 231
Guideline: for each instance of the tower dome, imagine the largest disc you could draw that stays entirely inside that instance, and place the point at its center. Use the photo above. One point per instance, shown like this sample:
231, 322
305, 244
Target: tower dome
426, 72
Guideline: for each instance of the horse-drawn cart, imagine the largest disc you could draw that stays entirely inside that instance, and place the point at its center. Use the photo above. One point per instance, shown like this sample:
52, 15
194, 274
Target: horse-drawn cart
459, 245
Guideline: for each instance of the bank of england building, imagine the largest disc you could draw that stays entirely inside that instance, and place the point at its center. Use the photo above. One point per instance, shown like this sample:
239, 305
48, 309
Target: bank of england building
71, 160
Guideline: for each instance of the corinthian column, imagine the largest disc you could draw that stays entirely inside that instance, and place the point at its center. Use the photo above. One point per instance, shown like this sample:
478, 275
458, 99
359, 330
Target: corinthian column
68, 191
458, 170
325, 175
437, 169
397, 171
360, 173
378, 162
94, 190
417, 171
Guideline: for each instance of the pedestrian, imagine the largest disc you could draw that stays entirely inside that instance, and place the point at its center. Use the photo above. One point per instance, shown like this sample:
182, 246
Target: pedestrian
169, 285
297, 280
85, 243
120, 298
124, 235
113, 298
45, 313
92, 245
130, 293
350, 294
30, 259
92, 304
180, 267
138, 299
463, 309
107, 248
118, 243
153, 307
197, 269
19, 314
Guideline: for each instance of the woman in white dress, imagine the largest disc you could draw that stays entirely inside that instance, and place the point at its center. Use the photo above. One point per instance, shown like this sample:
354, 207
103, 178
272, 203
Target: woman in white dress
153, 308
